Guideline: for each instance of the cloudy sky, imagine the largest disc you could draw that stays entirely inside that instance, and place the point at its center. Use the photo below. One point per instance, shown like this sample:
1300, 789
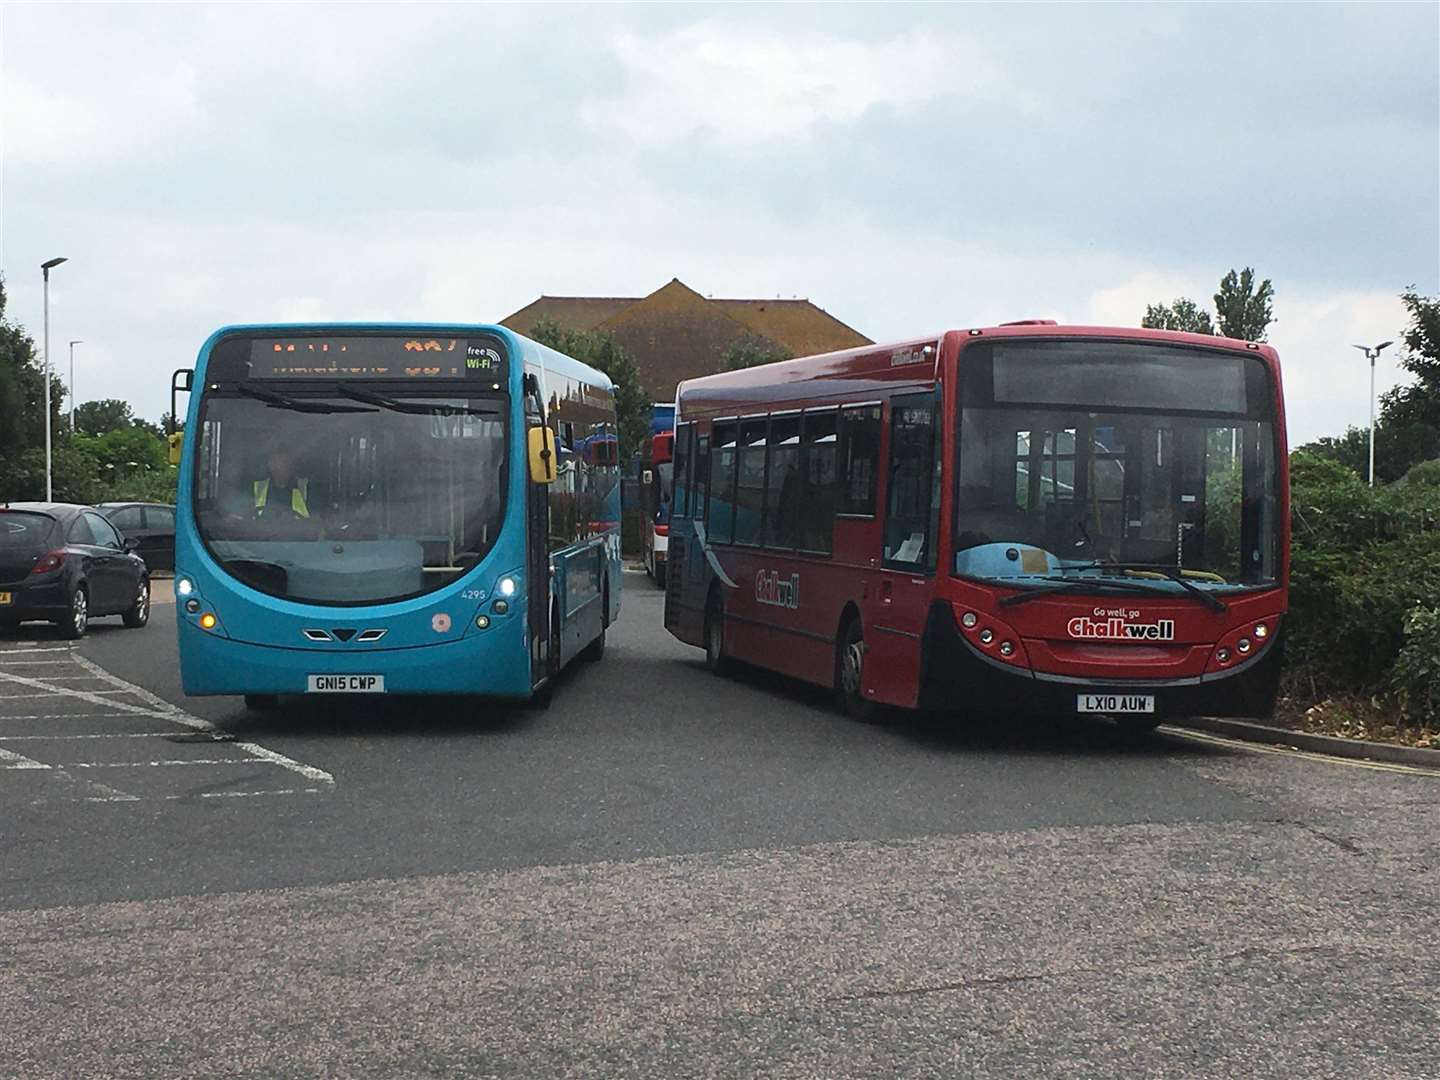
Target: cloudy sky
907, 168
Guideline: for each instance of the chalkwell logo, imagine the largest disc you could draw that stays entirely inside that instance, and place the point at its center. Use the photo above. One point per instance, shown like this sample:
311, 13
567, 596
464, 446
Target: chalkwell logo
1104, 625
771, 588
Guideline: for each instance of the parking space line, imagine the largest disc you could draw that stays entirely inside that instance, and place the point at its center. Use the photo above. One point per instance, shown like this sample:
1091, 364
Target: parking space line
163, 763
59, 690
29, 663
68, 716
247, 794
89, 735
11, 760
171, 712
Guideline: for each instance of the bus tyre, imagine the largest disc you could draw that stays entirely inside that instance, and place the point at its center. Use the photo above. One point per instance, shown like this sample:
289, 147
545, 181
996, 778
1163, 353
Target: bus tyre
850, 675
262, 702
660, 574
77, 617
596, 649
715, 658
139, 613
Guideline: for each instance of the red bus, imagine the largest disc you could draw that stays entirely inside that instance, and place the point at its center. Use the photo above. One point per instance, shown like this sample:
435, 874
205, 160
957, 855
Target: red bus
657, 489
1027, 518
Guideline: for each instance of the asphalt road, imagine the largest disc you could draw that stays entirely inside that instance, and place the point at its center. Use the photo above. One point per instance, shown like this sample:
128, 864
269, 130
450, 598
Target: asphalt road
671, 875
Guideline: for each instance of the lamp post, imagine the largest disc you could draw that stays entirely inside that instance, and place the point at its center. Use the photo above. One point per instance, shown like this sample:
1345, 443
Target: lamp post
1371, 354
49, 482
72, 383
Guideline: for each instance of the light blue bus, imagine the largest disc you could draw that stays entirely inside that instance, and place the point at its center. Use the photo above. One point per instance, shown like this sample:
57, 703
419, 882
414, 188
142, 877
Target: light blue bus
398, 509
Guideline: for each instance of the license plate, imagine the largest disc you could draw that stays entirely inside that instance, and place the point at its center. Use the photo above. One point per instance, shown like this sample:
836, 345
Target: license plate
5, 598
345, 684
1115, 703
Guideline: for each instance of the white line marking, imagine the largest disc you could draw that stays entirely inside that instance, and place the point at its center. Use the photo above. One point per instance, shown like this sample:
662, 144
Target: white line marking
179, 716
45, 649
248, 794
51, 692
11, 760
69, 716
169, 761
103, 735
29, 663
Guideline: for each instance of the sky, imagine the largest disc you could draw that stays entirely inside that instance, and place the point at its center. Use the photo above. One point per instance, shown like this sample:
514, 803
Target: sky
908, 168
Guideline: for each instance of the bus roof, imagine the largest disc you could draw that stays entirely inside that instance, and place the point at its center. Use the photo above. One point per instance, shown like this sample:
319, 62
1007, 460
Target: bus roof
907, 360
525, 349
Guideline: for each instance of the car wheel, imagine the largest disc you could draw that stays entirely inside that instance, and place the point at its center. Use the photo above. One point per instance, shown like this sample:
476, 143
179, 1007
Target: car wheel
77, 617
139, 613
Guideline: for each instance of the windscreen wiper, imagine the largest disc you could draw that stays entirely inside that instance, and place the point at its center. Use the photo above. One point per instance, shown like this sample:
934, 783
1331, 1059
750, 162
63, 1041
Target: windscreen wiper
1173, 573
1070, 585
415, 408
275, 401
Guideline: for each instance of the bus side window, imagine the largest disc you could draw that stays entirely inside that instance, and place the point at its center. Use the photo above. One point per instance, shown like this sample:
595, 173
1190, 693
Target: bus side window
782, 484
910, 513
723, 455
681, 500
859, 459
819, 452
702, 474
750, 481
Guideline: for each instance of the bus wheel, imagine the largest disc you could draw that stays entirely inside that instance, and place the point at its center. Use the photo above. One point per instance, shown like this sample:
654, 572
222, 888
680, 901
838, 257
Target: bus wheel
850, 675
262, 702
660, 574
596, 649
715, 658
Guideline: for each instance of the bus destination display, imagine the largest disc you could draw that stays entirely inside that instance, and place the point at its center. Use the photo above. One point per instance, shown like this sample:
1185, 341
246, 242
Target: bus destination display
418, 357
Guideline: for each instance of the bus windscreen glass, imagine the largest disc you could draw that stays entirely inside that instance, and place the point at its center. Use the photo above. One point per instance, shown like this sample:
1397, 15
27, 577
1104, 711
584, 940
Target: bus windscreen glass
349, 499
1103, 459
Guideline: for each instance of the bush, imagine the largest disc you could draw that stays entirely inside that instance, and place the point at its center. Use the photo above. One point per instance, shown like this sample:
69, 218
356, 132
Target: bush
1416, 675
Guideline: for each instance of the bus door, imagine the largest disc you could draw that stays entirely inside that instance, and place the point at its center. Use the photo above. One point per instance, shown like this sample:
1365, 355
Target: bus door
537, 550
898, 613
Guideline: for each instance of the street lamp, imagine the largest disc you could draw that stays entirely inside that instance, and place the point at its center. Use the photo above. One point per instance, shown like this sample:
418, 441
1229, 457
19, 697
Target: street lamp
49, 484
1371, 354
72, 383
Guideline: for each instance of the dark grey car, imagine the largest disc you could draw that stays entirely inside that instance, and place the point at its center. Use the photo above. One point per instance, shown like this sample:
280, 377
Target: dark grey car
153, 524
66, 564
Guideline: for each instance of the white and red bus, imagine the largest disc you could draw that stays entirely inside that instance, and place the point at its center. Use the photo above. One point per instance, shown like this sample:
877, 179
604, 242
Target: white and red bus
1024, 518
657, 489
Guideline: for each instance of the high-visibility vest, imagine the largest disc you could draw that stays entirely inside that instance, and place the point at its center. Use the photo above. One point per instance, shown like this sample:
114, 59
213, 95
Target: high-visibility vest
297, 496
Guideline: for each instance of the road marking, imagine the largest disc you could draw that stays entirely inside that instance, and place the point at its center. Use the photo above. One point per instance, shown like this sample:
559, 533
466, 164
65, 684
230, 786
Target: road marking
164, 762
247, 794
92, 735
171, 712
11, 760
65, 716
41, 649
1308, 755
59, 690
30, 663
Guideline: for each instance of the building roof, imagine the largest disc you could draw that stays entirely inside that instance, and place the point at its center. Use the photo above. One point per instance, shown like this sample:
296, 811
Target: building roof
675, 333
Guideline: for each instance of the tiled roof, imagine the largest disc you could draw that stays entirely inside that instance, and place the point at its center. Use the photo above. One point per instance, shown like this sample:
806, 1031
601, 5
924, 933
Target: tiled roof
676, 334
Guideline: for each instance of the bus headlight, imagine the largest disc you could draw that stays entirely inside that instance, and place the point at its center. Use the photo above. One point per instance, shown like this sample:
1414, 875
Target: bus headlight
482, 622
184, 586
192, 605
1262, 631
506, 586
500, 607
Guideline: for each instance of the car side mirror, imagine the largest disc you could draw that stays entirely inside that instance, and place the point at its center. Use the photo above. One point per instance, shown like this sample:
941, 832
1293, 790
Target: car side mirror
132, 544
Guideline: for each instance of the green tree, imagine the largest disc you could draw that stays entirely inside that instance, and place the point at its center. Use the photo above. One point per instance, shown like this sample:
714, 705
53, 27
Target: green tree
751, 352
1184, 314
22, 392
1412, 413
1244, 310
601, 350
98, 417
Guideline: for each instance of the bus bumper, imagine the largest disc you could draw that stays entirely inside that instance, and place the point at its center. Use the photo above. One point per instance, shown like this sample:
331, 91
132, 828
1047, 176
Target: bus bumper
956, 678
494, 663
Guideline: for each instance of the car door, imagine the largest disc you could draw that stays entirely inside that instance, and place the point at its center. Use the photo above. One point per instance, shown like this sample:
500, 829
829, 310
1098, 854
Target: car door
129, 521
158, 547
119, 573
82, 547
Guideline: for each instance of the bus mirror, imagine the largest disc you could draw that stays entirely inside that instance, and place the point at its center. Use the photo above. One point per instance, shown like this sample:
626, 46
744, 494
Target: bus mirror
175, 440
542, 455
